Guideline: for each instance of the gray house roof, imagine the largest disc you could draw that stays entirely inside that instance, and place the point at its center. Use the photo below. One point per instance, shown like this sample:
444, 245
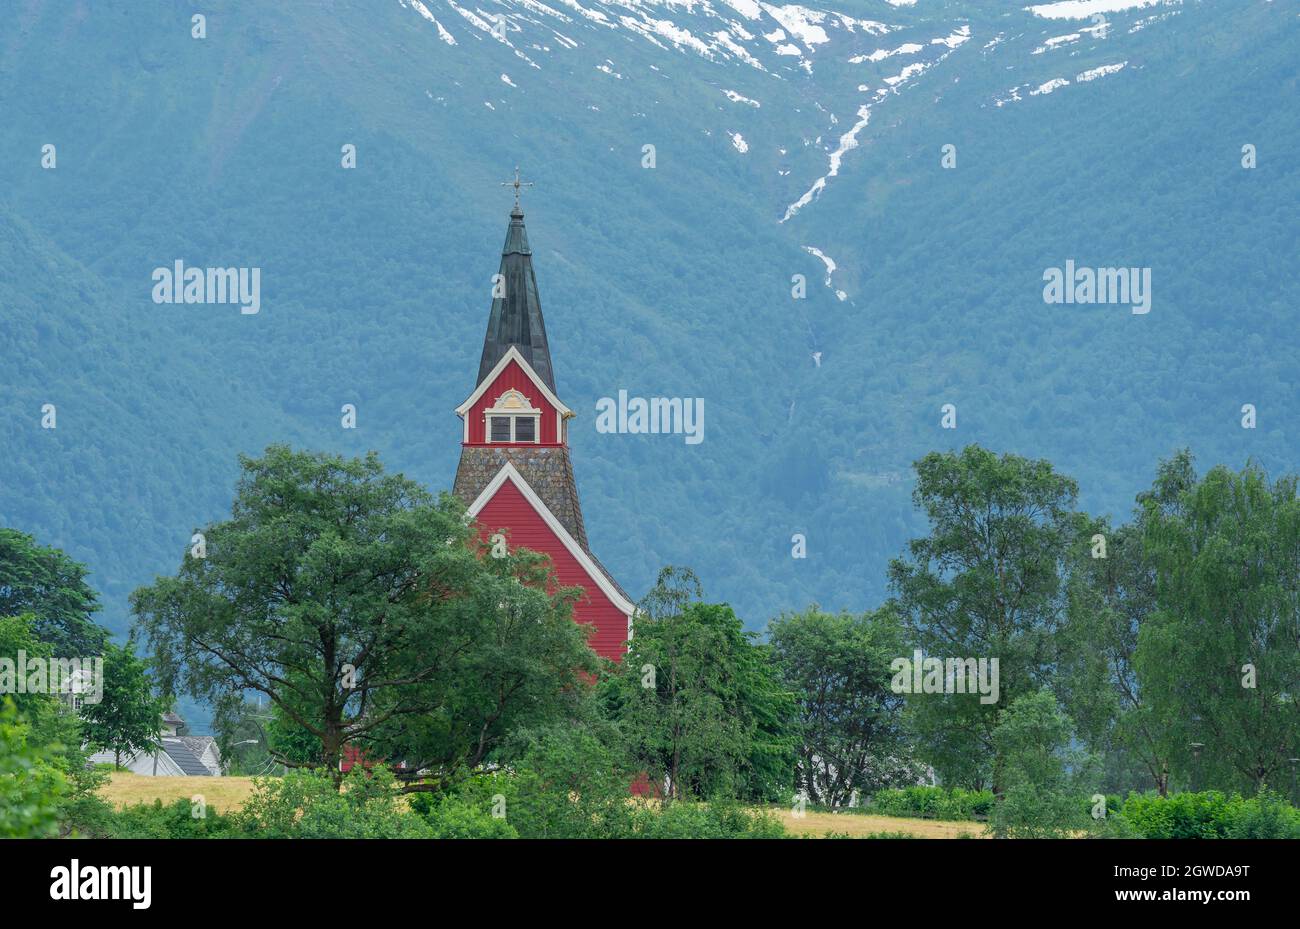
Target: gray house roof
201, 746
185, 756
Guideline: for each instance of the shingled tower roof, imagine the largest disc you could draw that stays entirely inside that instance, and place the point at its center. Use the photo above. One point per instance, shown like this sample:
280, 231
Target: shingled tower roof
516, 318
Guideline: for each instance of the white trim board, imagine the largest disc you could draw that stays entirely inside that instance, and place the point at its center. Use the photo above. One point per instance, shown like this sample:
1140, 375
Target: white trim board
508, 472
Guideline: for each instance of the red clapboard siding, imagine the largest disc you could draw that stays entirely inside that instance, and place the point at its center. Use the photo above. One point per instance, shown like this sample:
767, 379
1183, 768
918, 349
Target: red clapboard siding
513, 376
508, 509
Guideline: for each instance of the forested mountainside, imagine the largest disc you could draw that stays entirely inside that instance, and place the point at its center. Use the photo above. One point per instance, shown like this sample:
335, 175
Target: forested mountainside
786, 139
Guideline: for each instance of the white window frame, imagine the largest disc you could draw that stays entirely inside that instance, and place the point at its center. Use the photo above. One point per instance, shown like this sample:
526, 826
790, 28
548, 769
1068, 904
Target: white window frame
518, 408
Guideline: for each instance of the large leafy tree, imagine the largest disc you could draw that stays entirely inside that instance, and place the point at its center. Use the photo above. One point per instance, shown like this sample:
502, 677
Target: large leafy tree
852, 737
369, 616
1221, 653
1112, 595
699, 701
50, 586
987, 582
127, 718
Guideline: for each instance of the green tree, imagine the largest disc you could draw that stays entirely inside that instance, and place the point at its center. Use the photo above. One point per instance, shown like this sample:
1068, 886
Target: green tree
52, 723
18, 638
700, 701
1221, 653
1112, 595
242, 726
48, 728
370, 615
127, 718
1043, 794
987, 582
52, 587
852, 737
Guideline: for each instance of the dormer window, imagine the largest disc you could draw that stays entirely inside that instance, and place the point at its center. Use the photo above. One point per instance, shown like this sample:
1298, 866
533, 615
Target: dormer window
511, 419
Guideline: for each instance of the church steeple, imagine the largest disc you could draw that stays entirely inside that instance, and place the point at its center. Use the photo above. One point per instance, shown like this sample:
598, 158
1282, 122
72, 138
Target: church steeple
516, 317
515, 470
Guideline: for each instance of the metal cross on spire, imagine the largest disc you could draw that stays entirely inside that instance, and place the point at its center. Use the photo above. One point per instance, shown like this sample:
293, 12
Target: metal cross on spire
516, 184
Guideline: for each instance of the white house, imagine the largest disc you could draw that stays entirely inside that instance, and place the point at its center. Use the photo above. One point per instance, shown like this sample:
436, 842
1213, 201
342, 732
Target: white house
178, 755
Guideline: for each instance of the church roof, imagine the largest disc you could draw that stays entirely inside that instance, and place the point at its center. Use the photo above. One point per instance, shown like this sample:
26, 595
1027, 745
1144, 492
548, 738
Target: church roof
516, 318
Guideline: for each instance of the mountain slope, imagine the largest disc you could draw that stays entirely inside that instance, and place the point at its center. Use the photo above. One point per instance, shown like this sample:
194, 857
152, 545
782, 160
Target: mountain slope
816, 152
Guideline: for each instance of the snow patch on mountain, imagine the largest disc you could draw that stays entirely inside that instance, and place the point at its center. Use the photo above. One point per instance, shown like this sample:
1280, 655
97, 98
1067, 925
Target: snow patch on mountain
424, 11
667, 29
830, 270
849, 140
1013, 95
1099, 72
1083, 9
1057, 42
726, 41
750, 9
880, 54
1148, 20
780, 41
741, 98
1049, 86
959, 37
801, 22
593, 15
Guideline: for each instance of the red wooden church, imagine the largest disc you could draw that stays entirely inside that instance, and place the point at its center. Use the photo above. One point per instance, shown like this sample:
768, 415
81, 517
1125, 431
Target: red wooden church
515, 471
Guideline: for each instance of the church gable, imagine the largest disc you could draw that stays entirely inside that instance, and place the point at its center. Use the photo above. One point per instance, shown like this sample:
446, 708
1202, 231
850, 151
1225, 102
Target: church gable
513, 406
509, 501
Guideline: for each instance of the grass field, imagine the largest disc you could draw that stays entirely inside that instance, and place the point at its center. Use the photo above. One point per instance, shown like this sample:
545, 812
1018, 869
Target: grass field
219, 793
857, 825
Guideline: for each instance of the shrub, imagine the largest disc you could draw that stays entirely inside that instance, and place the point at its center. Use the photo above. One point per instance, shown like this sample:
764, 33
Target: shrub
32, 788
1113, 804
546, 797
716, 820
454, 820
304, 804
88, 817
1025, 811
1178, 816
465, 813
1264, 817
173, 821
564, 781
933, 802
1210, 814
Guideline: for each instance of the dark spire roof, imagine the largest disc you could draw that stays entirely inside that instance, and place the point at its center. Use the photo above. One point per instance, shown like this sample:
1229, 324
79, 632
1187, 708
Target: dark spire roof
516, 318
